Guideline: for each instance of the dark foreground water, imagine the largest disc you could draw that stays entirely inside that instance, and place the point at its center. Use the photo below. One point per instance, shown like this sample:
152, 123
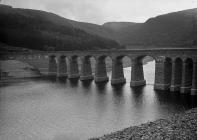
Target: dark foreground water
72, 110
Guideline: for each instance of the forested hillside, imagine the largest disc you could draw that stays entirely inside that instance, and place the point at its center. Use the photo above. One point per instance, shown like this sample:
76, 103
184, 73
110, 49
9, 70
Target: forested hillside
41, 30
46, 31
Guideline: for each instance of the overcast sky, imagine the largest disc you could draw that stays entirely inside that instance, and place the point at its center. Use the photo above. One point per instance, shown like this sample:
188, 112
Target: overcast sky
100, 11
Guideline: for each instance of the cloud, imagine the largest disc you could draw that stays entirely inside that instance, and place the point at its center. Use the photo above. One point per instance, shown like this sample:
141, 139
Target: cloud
82, 10
100, 11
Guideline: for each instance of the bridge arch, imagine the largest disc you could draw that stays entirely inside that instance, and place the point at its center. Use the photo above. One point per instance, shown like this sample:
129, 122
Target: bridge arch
138, 69
194, 76
163, 70
73, 67
62, 66
86, 67
176, 76
126, 59
117, 70
168, 70
141, 57
187, 72
52, 69
101, 68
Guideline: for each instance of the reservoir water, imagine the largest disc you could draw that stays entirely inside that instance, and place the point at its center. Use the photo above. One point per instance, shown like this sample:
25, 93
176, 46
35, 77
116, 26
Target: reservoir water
74, 110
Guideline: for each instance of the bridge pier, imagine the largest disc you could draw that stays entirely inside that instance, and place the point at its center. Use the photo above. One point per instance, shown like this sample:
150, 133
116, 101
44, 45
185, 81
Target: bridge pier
1, 75
186, 76
176, 75
137, 73
163, 69
117, 72
52, 70
100, 71
86, 70
62, 67
194, 79
73, 71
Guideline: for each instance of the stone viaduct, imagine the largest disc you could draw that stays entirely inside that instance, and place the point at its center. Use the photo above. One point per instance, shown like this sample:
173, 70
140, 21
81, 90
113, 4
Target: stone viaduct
175, 69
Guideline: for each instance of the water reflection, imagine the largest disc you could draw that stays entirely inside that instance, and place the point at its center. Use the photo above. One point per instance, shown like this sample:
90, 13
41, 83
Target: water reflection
101, 87
138, 96
62, 108
87, 84
61, 80
74, 82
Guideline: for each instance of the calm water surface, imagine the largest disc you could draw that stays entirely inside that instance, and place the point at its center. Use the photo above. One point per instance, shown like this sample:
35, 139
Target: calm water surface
74, 110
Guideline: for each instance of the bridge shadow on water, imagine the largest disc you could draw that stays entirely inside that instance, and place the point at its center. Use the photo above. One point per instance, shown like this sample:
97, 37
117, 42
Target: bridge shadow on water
87, 84
74, 82
62, 80
163, 98
118, 89
101, 87
138, 94
176, 99
137, 91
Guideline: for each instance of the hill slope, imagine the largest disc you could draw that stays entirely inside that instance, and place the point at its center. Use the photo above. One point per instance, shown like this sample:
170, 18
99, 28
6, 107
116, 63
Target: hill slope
47, 31
41, 30
178, 29
173, 29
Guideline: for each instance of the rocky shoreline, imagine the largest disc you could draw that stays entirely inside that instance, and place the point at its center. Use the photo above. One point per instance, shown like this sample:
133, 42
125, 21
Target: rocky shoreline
181, 126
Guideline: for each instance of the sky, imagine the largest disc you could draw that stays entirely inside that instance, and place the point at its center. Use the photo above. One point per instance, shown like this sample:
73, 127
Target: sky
101, 11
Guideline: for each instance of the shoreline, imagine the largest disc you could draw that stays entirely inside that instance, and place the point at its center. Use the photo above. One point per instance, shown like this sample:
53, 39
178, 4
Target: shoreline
182, 126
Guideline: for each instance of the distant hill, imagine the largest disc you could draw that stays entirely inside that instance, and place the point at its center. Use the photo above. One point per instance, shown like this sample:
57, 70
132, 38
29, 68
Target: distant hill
173, 29
119, 26
120, 30
177, 29
41, 30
